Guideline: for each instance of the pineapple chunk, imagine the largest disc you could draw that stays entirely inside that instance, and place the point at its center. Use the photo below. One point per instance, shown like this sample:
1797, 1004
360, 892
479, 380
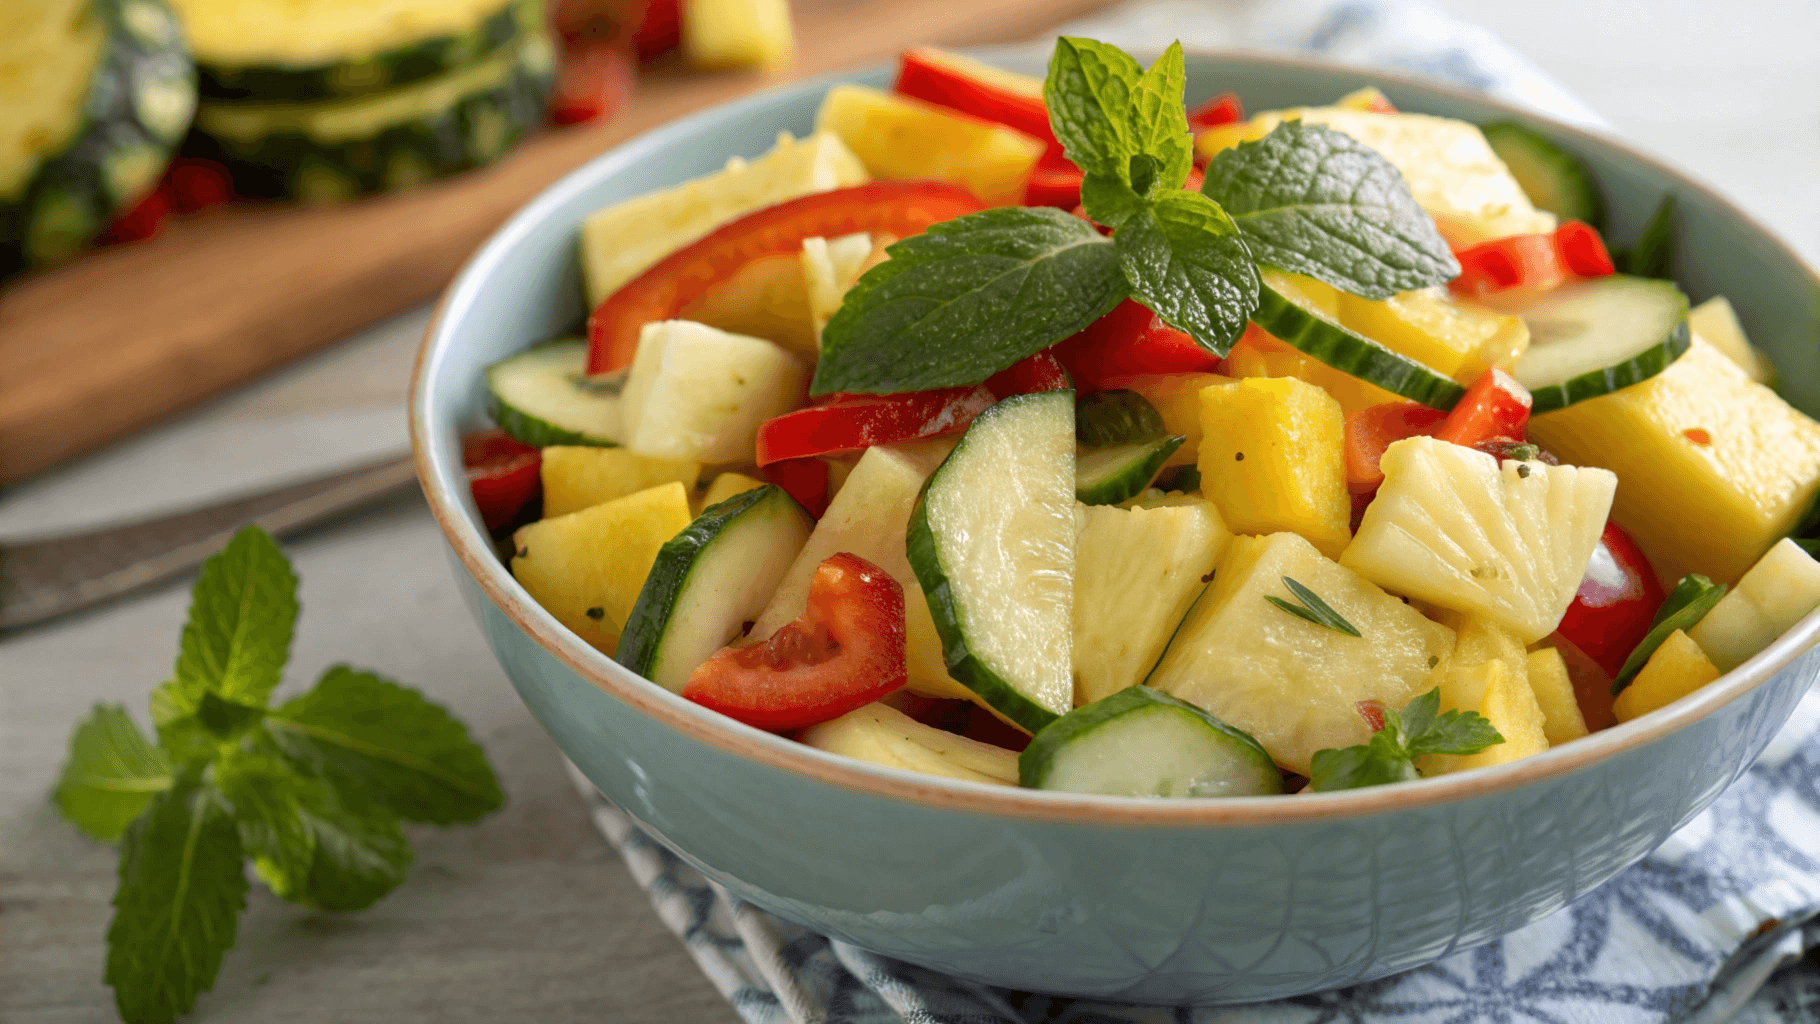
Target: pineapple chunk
1678, 668
1554, 690
577, 477
899, 137
1715, 322
881, 734
767, 298
586, 568
1261, 354
1458, 339
1453, 528
623, 240
1286, 681
1177, 397
723, 35
1715, 466
1775, 594
830, 266
1136, 572
1505, 700
725, 486
1368, 98
696, 392
1273, 458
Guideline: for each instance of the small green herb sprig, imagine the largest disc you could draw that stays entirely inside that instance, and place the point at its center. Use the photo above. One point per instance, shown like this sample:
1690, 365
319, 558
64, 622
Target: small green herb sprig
311, 791
1312, 608
1390, 755
971, 296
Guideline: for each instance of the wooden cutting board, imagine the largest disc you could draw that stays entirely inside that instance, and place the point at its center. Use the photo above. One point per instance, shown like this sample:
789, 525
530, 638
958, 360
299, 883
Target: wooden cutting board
128, 335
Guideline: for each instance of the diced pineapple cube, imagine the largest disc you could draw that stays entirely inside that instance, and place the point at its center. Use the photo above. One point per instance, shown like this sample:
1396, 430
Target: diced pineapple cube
899, 137
1290, 683
1261, 354
725, 486
697, 392
1177, 397
1779, 591
1504, 699
830, 266
576, 477
1715, 466
586, 568
1136, 572
719, 35
1452, 527
1715, 322
881, 734
1678, 668
623, 240
1554, 690
1458, 339
1273, 458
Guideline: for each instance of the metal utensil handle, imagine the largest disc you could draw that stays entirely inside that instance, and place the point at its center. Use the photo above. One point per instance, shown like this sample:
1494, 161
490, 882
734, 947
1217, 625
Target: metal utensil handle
42, 579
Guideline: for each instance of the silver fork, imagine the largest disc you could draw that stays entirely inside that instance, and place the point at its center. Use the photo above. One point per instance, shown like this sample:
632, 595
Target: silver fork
43, 578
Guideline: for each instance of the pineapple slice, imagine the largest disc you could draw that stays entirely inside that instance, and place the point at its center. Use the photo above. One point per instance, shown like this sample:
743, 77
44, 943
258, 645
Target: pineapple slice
1177, 397
830, 266
1273, 458
725, 486
1715, 322
1775, 594
577, 477
881, 734
1136, 572
724, 35
586, 568
1715, 466
697, 392
1286, 681
1678, 668
1458, 339
1562, 719
898, 137
1500, 694
1453, 528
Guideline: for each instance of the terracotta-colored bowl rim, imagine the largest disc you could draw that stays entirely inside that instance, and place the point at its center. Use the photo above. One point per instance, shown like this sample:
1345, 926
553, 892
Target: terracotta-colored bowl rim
669, 710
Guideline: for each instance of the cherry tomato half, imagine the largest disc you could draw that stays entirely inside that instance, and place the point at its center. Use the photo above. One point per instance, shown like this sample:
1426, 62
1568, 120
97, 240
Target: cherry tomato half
503, 474
1616, 603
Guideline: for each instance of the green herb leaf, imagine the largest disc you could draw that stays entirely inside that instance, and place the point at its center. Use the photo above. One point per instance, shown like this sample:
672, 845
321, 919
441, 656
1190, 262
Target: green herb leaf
1184, 258
242, 612
1315, 201
1455, 732
1312, 608
1653, 254
370, 736
1389, 756
1686, 605
113, 772
177, 907
1377, 762
1158, 126
1088, 92
968, 298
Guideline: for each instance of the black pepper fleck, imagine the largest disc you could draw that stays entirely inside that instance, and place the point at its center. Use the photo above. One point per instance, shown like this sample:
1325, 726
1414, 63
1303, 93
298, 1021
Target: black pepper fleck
1208, 578
524, 552
1238, 457
1523, 471
597, 613
1433, 660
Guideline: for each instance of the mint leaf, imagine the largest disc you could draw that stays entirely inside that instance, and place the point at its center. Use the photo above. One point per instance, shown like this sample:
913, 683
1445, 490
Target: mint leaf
182, 735
370, 736
1184, 258
175, 912
1390, 754
1315, 201
112, 773
1088, 92
1455, 732
1378, 762
1158, 126
242, 612
966, 299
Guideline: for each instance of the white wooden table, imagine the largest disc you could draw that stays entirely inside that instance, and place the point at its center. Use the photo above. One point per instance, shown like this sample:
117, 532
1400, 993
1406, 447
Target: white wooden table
527, 915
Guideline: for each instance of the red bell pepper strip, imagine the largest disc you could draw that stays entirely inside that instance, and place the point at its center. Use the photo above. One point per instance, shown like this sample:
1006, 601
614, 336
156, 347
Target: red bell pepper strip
844, 422
142, 220
1495, 408
899, 208
845, 651
806, 480
503, 474
1493, 417
595, 80
1616, 603
1535, 262
1370, 431
1130, 340
1033, 373
1582, 251
955, 82
197, 184
659, 30
1222, 109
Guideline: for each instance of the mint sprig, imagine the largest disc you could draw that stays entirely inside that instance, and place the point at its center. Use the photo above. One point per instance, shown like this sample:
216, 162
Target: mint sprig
312, 792
1390, 755
973, 296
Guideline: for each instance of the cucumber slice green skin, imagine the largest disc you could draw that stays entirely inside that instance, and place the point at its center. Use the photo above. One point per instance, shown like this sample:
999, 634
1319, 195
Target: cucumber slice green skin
528, 427
663, 643
1351, 352
1553, 178
1691, 599
1233, 763
1109, 475
1613, 378
1658, 301
1115, 417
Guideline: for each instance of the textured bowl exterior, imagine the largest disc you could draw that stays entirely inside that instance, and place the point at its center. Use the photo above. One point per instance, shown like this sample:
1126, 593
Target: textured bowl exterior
1226, 901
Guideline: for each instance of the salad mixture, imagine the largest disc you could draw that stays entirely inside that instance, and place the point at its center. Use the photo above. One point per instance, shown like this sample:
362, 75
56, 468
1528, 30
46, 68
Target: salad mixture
1049, 433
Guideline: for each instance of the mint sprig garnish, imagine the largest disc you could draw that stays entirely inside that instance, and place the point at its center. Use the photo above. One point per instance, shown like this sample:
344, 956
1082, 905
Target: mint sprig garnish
1390, 755
995, 287
312, 792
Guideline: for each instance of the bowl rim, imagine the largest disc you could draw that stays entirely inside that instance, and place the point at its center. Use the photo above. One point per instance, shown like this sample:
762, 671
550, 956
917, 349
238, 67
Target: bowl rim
475, 551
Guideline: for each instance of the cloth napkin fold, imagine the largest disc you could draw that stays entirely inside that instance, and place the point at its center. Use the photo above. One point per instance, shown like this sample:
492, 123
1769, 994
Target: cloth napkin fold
1691, 934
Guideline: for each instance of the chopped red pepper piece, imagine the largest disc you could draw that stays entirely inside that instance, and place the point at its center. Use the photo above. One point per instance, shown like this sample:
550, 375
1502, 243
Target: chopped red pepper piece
1535, 262
1583, 251
1495, 408
958, 83
503, 473
845, 423
659, 30
1616, 603
899, 208
1130, 340
1039, 372
1370, 431
197, 184
143, 220
805, 479
1494, 412
845, 651
1222, 109
595, 81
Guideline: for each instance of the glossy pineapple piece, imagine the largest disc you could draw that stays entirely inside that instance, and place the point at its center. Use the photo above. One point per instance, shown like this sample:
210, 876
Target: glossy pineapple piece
1272, 458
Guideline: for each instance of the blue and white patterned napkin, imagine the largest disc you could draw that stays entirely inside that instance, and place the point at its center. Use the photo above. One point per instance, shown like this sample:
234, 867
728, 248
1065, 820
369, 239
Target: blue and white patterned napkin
1692, 934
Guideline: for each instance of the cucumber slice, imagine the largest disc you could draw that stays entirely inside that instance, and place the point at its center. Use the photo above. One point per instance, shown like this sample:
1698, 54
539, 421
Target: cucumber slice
1282, 312
1593, 338
709, 580
1143, 742
1686, 605
992, 543
544, 396
1553, 179
1116, 417
1109, 475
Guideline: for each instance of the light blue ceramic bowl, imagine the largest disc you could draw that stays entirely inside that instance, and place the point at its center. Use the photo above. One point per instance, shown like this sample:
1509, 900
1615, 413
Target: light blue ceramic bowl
1150, 900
